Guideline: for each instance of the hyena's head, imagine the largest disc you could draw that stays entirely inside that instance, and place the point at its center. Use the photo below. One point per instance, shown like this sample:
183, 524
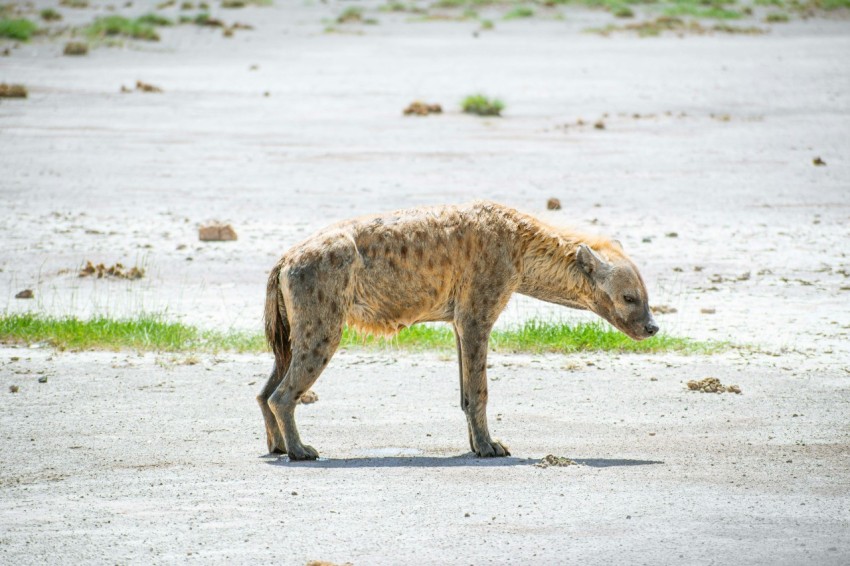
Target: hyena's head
617, 291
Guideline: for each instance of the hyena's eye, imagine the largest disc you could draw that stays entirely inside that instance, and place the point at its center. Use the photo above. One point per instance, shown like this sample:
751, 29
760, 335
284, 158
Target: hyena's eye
629, 299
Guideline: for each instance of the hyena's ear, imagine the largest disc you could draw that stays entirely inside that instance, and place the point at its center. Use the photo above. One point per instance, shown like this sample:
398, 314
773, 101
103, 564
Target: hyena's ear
590, 262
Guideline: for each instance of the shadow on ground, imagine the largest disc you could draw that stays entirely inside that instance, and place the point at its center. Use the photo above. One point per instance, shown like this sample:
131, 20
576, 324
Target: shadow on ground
465, 460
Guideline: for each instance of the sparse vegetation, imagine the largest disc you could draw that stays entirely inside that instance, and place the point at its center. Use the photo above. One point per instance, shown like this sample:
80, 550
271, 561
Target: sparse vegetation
153, 333
79, 4
50, 15
119, 26
662, 24
352, 14
20, 29
519, 12
154, 20
487, 24
777, 18
482, 106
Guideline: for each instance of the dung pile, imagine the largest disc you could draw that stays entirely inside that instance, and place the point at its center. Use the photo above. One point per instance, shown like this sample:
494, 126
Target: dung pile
118, 271
418, 108
712, 385
552, 461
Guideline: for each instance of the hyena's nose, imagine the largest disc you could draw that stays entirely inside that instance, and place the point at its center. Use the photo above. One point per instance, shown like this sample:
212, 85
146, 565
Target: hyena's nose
651, 328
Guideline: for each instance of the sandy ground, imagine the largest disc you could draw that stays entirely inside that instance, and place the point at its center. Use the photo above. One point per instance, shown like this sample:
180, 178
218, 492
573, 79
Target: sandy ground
139, 459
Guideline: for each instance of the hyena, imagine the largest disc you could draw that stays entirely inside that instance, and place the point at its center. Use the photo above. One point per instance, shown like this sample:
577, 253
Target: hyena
457, 264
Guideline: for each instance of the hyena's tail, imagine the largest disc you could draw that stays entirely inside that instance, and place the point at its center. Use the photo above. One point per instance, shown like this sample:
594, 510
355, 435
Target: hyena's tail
277, 323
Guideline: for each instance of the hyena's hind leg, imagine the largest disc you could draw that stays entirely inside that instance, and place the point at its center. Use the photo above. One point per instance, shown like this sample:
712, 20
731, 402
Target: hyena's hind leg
274, 437
310, 356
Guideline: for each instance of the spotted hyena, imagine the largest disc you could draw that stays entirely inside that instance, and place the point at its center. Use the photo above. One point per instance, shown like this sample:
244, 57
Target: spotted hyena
457, 264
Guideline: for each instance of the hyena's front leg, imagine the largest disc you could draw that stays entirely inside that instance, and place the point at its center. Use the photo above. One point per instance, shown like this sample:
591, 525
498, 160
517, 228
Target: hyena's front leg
462, 403
473, 353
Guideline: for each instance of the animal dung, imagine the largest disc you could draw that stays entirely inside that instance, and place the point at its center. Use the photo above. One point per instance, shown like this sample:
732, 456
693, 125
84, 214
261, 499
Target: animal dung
553, 204
117, 271
25, 294
418, 108
712, 385
142, 87
217, 233
552, 461
818, 162
75, 48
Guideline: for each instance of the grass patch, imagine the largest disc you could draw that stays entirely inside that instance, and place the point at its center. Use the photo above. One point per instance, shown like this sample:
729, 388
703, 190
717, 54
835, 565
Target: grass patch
777, 18
21, 29
50, 15
153, 333
715, 11
119, 26
519, 12
154, 20
482, 106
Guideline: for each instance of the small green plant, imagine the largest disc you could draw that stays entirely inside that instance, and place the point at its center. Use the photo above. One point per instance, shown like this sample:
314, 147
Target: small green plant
776, 18
21, 29
623, 12
487, 24
154, 20
709, 10
187, 6
50, 15
119, 26
482, 106
350, 15
79, 4
519, 12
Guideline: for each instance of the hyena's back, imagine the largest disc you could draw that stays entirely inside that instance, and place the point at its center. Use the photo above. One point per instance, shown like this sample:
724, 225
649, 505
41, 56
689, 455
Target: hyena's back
387, 272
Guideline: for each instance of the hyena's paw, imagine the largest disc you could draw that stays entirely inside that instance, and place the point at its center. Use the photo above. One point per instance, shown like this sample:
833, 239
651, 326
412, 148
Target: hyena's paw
303, 452
275, 443
492, 449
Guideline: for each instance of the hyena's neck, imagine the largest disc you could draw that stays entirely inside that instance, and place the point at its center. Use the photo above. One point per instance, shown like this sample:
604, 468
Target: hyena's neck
550, 272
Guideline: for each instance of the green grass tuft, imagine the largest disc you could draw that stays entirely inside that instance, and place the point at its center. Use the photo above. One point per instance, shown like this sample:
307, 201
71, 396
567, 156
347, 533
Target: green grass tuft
482, 106
154, 20
113, 26
519, 12
21, 29
50, 15
154, 333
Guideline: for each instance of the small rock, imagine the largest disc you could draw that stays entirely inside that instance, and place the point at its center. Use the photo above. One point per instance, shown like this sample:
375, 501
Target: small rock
217, 233
708, 311
553, 204
672, 234
599, 125
13, 91
75, 48
147, 87
14, 389
418, 108
25, 294
309, 397
42, 379
818, 162
663, 309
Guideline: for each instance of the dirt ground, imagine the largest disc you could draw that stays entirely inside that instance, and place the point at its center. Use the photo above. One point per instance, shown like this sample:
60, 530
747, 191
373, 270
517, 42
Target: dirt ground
712, 189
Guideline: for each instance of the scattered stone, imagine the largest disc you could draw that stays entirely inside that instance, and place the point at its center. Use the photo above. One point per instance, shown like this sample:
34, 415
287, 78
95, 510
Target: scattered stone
672, 234
818, 162
555, 461
118, 271
553, 204
599, 125
42, 379
712, 385
418, 108
13, 91
25, 294
14, 389
309, 397
708, 311
663, 309
217, 233
147, 87
75, 48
